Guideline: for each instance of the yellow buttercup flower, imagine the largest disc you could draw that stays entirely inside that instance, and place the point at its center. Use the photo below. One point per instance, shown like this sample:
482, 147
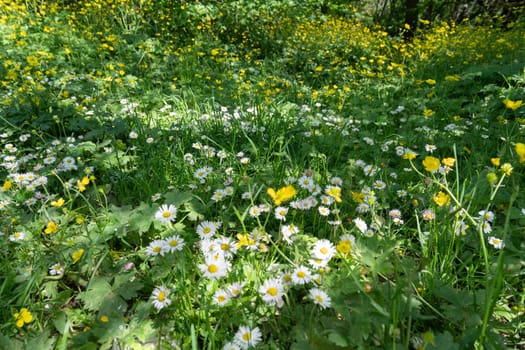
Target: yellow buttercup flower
495, 161
77, 255
51, 227
449, 161
410, 155
512, 104
7, 185
334, 192
520, 150
507, 169
282, 195
431, 164
58, 203
441, 198
22, 317
83, 183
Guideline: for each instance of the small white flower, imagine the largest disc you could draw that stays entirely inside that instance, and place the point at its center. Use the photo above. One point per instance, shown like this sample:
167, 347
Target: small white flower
159, 297
301, 275
173, 243
323, 249
246, 337
272, 292
280, 213
320, 298
56, 269
156, 247
166, 213
496, 242
361, 225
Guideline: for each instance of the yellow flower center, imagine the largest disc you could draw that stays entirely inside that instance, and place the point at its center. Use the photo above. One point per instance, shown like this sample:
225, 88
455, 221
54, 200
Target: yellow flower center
173, 243
301, 274
166, 214
161, 297
319, 298
213, 268
272, 291
247, 336
323, 250
156, 249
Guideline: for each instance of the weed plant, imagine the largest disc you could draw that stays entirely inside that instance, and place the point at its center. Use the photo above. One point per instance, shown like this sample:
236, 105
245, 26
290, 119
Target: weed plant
234, 175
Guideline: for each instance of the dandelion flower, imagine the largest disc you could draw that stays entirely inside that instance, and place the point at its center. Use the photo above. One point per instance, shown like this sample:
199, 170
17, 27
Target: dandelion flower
166, 213
159, 297
247, 337
320, 298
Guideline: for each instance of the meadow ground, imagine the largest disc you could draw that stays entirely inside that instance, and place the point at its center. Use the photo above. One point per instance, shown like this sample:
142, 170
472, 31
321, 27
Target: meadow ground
234, 175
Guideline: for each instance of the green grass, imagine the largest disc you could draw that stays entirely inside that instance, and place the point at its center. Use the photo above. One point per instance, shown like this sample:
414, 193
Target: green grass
405, 157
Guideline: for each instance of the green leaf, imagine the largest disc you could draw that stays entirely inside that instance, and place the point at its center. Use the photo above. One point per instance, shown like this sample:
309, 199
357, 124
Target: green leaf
127, 286
41, 341
337, 338
94, 296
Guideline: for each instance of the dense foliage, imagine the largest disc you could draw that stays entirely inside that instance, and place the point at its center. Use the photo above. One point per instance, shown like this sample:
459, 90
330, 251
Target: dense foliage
258, 174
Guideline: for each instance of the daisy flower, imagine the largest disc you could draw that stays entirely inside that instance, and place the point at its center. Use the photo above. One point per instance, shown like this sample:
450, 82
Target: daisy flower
221, 297
496, 242
324, 211
360, 224
287, 231
301, 275
166, 213
207, 229
159, 297
215, 268
173, 243
323, 249
156, 247
231, 346
56, 269
272, 292
320, 298
247, 337
428, 215
255, 211
235, 289
17, 236
280, 213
